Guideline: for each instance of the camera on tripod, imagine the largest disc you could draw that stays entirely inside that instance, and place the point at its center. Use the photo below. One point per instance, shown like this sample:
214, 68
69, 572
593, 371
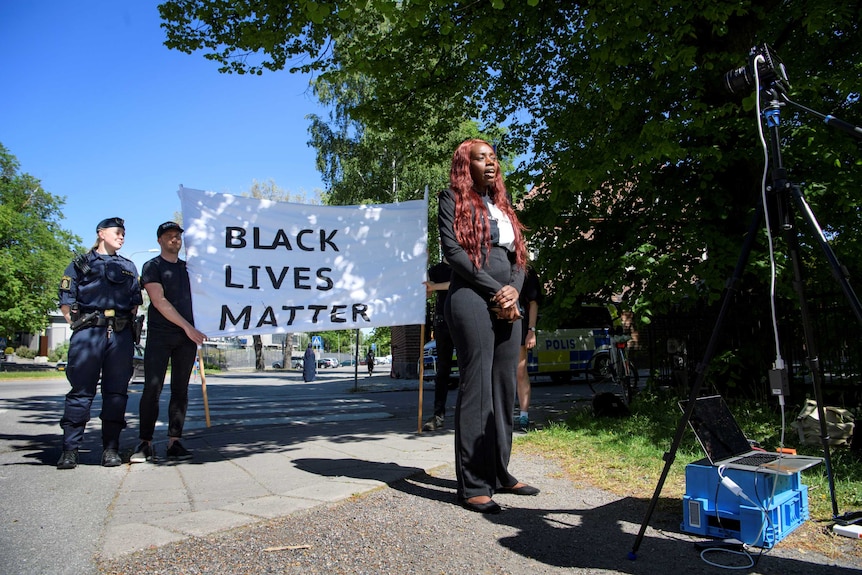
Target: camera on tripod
770, 71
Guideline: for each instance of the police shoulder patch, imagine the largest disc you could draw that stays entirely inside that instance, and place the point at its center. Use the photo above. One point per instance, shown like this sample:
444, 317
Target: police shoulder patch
65, 283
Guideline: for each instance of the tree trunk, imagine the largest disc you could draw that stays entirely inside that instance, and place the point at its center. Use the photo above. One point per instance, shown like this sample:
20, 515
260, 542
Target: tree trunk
287, 351
258, 354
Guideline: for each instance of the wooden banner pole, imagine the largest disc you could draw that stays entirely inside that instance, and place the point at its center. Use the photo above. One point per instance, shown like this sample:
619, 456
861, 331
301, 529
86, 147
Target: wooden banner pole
204, 389
421, 372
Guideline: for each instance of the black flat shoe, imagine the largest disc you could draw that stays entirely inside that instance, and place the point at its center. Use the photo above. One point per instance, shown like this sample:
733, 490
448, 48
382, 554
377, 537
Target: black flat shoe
522, 490
489, 507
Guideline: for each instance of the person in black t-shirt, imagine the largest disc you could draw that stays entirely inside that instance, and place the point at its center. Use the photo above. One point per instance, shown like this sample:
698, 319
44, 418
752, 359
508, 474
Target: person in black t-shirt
171, 336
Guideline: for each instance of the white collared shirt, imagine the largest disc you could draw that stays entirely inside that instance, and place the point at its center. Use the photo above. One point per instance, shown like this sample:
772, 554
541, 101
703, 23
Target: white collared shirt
504, 226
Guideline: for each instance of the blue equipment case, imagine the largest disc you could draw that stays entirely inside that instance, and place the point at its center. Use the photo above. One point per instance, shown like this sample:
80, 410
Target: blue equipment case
710, 509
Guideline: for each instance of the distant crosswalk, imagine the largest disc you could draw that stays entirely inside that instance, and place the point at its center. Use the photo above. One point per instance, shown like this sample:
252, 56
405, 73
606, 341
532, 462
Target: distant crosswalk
274, 405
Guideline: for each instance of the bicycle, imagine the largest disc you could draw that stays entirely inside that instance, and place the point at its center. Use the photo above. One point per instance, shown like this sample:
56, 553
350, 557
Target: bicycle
612, 365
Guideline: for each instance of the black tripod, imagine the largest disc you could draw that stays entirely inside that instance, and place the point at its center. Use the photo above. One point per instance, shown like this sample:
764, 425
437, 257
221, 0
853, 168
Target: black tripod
782, 191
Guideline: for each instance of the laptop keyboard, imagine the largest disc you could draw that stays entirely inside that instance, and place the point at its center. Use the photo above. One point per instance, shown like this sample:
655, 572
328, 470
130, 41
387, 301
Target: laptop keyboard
756, 459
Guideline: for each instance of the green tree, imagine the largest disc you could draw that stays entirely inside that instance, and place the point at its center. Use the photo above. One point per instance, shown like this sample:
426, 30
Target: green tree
648, 169
337, 340
645, 171
269, 190
363, 164
360, 163
34, 249
382, 337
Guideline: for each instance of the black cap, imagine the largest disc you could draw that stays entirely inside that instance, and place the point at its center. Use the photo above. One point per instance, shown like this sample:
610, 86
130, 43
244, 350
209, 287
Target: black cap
166, 227
111, 223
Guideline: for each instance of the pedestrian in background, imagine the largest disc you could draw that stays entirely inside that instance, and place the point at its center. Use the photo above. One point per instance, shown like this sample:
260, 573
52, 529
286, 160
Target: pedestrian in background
529, 298
171, 337
438, 283
99, 296
309, 365
482, 241
369, 360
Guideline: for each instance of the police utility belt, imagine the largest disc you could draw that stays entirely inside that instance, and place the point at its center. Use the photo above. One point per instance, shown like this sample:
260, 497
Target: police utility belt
103, 318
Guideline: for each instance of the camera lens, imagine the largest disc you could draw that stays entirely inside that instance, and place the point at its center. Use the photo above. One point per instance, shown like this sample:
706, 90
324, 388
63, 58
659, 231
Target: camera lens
761, 67
738, 80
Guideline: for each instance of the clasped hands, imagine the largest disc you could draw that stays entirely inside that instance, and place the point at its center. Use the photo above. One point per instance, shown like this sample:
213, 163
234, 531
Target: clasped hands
504, 304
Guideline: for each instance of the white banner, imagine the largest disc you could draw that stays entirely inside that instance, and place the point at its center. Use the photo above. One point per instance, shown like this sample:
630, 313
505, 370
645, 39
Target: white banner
259, 266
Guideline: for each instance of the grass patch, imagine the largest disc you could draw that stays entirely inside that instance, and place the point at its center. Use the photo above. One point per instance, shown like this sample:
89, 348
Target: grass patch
31, 374
625, 456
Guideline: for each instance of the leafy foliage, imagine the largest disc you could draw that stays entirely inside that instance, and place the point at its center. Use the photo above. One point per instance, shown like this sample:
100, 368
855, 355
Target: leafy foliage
59, 353
382, 336
344, 340
34, 249
364, 164
643, 171
269, 190
338, 340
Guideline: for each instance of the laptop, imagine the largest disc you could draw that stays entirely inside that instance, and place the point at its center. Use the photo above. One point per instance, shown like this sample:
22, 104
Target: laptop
725, 444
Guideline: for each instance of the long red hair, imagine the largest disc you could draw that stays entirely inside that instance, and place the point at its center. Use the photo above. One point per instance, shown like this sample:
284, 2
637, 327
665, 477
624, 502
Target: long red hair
471, 227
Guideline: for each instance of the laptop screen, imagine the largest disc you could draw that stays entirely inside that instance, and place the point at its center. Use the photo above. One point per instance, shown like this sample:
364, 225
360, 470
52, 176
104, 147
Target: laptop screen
716, 429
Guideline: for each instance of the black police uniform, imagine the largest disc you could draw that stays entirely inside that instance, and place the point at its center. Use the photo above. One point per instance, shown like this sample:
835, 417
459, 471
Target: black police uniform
103, 291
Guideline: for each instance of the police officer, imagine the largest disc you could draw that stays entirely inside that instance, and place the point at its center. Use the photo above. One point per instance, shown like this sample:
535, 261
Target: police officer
99, 296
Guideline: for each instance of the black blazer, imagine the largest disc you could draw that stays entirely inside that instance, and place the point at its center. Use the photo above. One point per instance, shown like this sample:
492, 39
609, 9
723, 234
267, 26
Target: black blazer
459, 260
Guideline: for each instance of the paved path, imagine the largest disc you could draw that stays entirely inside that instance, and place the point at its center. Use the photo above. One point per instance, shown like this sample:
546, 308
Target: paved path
275, 446
244, 468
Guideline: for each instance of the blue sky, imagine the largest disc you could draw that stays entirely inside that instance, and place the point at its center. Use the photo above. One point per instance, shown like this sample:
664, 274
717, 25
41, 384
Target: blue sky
98, 109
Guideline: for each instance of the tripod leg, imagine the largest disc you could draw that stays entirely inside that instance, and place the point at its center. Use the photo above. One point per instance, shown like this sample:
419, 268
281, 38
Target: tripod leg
838, 271
631, 380
701, 370
810, 340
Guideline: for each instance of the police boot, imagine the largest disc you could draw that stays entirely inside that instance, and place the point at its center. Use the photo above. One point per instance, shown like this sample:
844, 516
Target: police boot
111, 458
69, 460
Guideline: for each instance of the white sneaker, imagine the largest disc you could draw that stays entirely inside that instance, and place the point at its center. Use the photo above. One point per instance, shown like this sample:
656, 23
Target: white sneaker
143, 452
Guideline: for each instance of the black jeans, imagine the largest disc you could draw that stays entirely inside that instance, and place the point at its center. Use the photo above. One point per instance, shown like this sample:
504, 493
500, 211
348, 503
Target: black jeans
443, 376
164, 346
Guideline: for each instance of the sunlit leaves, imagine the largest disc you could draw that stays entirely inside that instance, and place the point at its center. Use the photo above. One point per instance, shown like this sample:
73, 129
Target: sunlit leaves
34, 249
616, 108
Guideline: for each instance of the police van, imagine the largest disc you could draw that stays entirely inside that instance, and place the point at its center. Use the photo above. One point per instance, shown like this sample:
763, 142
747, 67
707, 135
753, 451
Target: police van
559, 353
575, 347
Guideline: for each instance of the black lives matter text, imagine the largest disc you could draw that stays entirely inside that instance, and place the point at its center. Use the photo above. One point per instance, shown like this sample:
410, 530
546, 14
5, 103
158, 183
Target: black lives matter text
297, 278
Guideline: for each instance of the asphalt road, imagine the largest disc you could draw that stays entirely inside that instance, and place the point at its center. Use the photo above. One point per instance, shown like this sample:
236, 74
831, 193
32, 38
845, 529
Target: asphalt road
52, 521
55, 521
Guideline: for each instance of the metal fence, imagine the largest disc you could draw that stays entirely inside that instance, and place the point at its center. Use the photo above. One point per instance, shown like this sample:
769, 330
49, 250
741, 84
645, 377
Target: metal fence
673, 346
243, 358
